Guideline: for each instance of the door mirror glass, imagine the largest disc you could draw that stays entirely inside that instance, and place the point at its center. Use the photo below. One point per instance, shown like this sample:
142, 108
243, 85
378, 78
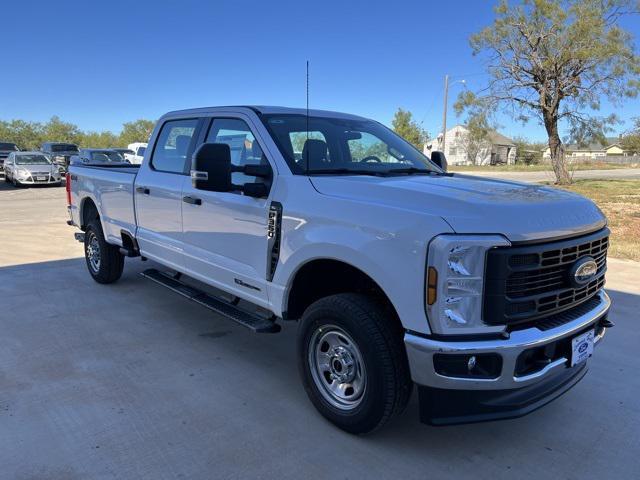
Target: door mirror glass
439, 159
212, 168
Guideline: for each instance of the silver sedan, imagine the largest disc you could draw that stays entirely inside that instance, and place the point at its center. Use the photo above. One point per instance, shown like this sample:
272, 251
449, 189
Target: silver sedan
31, 168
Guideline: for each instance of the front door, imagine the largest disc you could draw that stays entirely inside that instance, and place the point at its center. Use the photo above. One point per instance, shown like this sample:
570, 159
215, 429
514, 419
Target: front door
158, 193
225, 237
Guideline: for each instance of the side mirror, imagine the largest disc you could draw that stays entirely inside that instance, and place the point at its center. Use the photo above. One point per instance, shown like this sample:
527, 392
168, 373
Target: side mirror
439, 159
212, 169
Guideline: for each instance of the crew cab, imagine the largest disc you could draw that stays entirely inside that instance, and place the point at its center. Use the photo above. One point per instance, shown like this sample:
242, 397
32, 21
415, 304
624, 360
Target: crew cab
486, 294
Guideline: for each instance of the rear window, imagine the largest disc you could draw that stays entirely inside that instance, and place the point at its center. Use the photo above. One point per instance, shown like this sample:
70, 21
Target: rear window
64, 147
173, 145
8, 146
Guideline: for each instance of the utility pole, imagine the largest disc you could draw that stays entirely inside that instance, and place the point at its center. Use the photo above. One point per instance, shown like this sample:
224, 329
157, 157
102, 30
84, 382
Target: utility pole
444, 113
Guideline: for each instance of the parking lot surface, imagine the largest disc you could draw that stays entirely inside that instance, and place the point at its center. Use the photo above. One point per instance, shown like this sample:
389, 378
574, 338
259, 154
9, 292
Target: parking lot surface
131, 381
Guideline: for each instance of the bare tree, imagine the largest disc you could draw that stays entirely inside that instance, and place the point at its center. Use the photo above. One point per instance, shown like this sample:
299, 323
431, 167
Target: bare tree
556, 60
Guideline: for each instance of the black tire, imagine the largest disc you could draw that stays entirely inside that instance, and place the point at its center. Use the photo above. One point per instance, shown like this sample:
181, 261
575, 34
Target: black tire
378, 339
110, 262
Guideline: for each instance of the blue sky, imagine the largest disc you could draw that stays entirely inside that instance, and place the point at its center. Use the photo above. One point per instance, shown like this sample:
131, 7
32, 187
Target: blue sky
99, 64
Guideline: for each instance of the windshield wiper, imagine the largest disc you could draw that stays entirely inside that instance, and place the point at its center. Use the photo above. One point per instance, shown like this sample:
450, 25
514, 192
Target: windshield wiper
411, 170
346, 171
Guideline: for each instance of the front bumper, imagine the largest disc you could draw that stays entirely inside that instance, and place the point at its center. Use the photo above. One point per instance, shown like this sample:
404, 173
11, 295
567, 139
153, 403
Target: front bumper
30, 181
549, 377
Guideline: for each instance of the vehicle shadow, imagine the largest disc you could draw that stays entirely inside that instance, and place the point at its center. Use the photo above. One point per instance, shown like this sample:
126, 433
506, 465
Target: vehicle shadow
76, 353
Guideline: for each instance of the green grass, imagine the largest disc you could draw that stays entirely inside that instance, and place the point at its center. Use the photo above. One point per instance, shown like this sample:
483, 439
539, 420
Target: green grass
620, 202
545, 167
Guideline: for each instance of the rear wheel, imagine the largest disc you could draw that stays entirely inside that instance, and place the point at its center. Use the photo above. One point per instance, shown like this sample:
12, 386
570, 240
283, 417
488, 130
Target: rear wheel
104, 261
352, 362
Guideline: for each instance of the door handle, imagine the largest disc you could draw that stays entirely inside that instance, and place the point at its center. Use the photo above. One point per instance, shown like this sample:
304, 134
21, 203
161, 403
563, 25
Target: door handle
192, 200
143, 190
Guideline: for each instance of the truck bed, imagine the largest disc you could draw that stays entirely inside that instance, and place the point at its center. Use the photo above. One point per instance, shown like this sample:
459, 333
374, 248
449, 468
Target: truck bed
110, 188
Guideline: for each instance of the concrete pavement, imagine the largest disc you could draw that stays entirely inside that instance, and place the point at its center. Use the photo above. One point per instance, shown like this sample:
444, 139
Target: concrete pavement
533, 177
130, 381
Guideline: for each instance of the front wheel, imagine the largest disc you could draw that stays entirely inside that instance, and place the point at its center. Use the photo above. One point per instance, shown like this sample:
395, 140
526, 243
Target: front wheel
105, 262
352, 362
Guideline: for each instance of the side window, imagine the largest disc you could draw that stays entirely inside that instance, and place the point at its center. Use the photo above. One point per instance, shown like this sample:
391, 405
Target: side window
244, 147
141, 151
172, 145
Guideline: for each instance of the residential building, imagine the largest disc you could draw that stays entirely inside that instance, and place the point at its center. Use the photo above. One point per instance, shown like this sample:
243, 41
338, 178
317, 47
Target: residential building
461, 149
593, 151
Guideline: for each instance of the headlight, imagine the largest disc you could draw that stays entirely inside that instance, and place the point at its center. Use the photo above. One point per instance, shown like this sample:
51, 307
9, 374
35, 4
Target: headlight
23, 173
455, 283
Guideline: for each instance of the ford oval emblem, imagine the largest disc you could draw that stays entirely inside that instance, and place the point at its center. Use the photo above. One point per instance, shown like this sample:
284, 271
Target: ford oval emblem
583, 271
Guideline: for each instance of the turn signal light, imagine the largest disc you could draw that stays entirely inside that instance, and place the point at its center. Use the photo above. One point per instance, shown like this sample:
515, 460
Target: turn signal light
432, 285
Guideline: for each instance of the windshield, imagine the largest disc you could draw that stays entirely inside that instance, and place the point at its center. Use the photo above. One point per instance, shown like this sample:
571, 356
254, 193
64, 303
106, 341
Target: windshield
8, 146
64, 147
32, 160
344, 146
106, 156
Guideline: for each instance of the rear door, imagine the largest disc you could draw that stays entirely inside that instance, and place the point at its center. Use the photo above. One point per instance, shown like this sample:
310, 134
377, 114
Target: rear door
158, 192
225, 237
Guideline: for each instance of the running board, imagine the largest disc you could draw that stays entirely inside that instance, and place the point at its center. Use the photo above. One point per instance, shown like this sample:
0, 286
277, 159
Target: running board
222, 307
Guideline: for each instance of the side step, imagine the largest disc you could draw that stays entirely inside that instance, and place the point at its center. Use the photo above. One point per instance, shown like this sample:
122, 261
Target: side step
221, 307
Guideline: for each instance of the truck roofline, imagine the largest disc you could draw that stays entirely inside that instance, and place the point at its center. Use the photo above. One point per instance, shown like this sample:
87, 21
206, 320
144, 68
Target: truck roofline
262, 109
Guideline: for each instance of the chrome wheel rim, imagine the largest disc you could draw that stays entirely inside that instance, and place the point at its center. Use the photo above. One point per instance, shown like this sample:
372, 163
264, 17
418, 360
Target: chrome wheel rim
93, 252
337, 367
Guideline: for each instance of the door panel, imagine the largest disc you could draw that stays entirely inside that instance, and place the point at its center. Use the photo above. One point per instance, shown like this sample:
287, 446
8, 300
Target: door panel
159, 216
158, 193
225, 241
225, 237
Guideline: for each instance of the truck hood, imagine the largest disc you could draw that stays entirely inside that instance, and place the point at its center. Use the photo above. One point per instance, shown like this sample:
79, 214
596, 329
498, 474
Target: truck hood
519, 211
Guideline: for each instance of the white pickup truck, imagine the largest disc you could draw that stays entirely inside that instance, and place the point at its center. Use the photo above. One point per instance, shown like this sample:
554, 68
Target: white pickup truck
487, 294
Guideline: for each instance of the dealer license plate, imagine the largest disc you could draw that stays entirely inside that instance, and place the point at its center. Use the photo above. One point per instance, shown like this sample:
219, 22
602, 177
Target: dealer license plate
41, 179
582, 347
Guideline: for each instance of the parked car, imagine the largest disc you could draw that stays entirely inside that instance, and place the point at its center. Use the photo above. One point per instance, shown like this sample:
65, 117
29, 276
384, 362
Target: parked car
99, 155
487, 294
31, 168
5, 149
60, 153
138, 149
124, 152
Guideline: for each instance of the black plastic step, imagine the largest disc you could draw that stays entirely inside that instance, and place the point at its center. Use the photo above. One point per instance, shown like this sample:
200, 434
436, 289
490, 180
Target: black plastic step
222, 307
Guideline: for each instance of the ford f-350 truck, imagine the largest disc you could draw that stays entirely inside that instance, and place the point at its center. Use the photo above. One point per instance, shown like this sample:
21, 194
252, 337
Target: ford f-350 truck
487, 294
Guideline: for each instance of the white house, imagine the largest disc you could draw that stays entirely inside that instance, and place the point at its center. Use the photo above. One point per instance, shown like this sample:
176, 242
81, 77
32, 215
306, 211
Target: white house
593, 151
459, 150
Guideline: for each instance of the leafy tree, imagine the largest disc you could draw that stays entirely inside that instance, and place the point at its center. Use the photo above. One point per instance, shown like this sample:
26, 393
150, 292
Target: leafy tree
409, 129
27, 135
555, 60
55, 130
528, 153
138, 131
100, 140
631, 140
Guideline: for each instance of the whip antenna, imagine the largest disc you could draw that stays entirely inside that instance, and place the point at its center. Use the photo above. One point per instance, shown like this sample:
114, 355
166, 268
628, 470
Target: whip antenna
307, 142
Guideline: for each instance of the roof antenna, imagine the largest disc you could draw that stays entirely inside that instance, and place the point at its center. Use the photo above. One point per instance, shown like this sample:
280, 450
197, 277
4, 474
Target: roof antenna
307, 142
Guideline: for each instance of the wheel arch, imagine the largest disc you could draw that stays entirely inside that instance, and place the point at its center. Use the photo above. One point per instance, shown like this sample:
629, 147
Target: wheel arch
88, 212
320, 277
